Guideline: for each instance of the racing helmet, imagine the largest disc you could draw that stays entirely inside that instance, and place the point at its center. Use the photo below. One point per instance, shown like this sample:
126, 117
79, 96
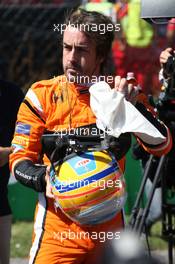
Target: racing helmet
88, 187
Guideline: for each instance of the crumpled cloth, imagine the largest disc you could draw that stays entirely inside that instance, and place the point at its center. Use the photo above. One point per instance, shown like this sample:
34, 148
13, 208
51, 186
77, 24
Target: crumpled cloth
116, 115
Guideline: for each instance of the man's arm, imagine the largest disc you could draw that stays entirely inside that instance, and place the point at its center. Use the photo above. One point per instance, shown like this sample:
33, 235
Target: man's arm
164, 56
30, 175
141, 103
26, 143
4, 155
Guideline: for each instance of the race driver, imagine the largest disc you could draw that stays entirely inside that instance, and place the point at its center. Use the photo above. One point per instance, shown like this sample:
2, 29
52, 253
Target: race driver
61, 103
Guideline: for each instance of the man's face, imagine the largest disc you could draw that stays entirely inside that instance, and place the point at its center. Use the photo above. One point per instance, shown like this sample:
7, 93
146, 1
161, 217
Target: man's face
79, 55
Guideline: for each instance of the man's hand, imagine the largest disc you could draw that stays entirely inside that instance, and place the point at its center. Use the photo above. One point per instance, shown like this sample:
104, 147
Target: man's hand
49, 192
4, 155
129, 90
164, 55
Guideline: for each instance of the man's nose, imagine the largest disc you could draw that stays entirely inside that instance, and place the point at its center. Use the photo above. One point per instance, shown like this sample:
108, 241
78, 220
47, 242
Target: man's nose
73, 55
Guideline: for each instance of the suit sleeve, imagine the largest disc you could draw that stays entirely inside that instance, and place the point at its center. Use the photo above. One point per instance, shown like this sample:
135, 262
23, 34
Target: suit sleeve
26, 142
156, 149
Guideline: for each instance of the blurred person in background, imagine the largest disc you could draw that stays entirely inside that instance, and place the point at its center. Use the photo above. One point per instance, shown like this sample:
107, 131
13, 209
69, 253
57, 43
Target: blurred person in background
135, 49
102, 6
155, 210
164, 56
11, 97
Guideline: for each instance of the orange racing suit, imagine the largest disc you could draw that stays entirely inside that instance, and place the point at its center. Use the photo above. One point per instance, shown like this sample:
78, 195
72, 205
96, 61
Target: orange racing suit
54, 105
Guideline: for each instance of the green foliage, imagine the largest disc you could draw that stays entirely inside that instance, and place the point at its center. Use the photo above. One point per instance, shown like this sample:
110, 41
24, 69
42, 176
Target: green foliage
156, 240
21, 239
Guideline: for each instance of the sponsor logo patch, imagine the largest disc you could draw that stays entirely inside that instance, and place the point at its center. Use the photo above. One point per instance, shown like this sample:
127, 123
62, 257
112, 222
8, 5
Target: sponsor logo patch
83, 164
23, 129
22, 141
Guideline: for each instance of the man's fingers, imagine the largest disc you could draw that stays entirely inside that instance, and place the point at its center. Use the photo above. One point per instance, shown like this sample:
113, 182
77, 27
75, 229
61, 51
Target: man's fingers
117, 82
48, 185
123, 87
169, 49
130, 88
121, 84
132, 95
164, 55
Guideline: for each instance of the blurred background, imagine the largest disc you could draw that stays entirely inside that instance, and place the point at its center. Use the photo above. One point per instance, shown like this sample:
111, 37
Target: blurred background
31, 50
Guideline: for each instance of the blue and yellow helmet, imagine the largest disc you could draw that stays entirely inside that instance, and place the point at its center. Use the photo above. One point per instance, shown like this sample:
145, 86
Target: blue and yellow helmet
89, 187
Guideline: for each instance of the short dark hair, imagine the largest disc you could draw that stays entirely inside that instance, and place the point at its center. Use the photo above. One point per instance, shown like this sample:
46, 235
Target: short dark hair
87, 21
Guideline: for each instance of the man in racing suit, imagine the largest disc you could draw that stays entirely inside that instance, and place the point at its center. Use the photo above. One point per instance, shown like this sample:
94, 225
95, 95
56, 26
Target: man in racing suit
57, 105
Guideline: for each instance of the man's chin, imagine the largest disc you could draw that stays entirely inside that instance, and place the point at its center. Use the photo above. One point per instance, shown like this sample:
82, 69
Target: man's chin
71, 78
74, 78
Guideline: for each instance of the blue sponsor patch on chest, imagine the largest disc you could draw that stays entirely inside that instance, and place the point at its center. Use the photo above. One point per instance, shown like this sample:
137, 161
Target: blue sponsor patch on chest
23, 129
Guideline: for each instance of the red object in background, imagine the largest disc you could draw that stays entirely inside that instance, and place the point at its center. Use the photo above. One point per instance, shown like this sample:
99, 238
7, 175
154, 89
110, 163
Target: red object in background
122, 11
95, 1
171, 25
144, 62
118, 54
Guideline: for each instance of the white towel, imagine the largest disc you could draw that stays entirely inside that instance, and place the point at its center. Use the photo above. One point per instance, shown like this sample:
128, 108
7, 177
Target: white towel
117, 115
